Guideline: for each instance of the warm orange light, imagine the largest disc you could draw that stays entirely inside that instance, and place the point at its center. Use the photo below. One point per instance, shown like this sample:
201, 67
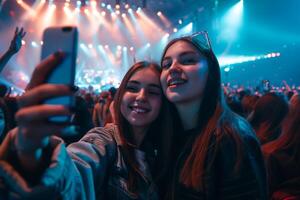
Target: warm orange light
27, 8
129, 26
166, 22
148, 25
86, 11
94, 4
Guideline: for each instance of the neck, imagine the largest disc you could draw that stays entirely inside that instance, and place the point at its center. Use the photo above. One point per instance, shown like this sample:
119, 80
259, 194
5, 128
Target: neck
189, 114
139, 134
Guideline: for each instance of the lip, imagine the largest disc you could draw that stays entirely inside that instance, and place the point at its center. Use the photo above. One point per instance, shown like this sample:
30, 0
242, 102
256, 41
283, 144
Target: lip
174, 82
139, 108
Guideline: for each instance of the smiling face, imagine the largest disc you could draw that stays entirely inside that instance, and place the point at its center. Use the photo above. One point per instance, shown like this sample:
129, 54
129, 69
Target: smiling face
184, 73
142, 99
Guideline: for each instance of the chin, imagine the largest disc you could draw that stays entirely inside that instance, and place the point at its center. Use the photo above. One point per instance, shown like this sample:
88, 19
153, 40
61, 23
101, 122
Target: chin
139, 123
174, 97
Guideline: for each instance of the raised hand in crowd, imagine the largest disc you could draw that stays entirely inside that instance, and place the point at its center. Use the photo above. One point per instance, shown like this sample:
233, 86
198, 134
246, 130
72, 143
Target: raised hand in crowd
16, 42
15, 46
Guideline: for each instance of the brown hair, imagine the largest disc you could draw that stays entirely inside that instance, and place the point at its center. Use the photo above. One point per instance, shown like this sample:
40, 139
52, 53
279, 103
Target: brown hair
159, 132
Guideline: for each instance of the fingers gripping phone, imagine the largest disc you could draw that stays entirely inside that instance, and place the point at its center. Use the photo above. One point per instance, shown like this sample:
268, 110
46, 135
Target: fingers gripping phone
63, 39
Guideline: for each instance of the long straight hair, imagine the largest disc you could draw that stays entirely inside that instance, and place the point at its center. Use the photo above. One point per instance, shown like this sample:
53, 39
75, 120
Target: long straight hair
158, 134
214, 118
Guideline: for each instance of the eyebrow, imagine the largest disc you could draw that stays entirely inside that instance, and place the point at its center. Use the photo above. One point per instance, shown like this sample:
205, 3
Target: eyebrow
150, 85
188, 52
183, 54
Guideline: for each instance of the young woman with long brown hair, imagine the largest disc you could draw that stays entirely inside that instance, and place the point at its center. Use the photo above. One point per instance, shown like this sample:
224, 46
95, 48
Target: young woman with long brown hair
119, 161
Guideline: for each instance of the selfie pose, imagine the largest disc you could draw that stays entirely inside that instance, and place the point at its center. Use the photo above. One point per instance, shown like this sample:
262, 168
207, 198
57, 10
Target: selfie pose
118, 161
216, 153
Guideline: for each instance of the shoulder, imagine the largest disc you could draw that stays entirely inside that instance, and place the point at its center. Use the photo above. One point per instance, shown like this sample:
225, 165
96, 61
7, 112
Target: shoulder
238, 137
238, 128
103, 135
99, 141
273, 155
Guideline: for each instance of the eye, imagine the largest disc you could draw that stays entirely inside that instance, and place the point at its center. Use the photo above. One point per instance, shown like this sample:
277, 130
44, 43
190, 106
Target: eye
131, 88
188, 59
166, 64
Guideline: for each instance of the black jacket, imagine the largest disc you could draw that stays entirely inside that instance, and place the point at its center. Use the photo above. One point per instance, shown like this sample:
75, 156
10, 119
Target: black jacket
220, 179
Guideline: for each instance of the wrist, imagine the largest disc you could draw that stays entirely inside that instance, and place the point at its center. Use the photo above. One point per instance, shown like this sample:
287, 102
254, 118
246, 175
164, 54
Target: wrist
30, 160
26, 146
34, 153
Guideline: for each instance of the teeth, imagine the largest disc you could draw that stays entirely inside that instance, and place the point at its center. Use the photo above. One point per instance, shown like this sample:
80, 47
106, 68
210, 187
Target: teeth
135, 105
139, 110
175, 82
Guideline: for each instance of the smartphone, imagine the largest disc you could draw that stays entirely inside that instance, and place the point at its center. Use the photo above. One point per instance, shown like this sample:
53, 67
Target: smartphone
63, 39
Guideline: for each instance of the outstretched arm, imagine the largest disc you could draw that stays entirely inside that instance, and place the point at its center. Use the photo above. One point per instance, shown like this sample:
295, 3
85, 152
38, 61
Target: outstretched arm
15, 46
34, 164
32, 116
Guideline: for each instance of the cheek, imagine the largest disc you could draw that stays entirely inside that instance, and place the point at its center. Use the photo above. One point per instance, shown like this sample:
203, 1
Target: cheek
202, 77
202, 72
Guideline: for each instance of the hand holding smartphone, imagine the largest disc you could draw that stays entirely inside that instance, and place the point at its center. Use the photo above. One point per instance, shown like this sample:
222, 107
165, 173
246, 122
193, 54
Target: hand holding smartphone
64, 39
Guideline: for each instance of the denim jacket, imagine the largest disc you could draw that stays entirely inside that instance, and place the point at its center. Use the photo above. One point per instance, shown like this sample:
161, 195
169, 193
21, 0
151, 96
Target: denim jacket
92, 168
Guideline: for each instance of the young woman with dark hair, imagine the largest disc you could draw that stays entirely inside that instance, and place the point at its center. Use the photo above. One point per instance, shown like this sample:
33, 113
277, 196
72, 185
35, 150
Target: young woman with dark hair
216, 154
267, 116
118, 161
283, 157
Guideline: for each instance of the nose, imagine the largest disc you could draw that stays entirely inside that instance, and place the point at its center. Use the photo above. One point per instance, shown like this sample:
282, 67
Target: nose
175, 67
142, 95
